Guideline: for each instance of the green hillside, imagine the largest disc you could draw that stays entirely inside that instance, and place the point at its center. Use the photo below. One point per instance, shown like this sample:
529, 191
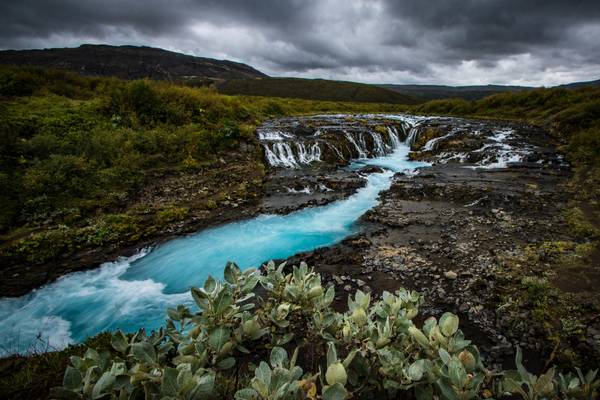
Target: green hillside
314, 89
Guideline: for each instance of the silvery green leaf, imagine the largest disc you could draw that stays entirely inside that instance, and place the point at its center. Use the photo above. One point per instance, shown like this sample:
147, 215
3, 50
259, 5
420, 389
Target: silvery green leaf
226, 363
263, 372
573, 384
104, 385
457, 373
331, 354
544, 380
119, 342
242, 349
294, 358
247, 307
448, 324
144, 352
250, 284
200, 298
292, 291
261, 387
447, 390
525, 376
278, 357
173, 314
284, 339
92, 354
329, 295
210, 284
419, 337
444, 355
169, 385
231, 272
590, 376
203, 388
334, 392
295, 373
77, 362
72, 379
218, 337
246, 394
118, 368
223, 300
348, 360
416, 370
247, 297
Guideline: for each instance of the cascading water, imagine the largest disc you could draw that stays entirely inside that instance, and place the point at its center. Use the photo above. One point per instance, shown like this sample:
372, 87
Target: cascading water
394, 137
413, 133
433, 143
361, 152
380, 147
134, 292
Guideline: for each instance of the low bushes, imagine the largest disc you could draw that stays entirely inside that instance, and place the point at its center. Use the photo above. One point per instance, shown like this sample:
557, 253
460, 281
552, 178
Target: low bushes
373, 350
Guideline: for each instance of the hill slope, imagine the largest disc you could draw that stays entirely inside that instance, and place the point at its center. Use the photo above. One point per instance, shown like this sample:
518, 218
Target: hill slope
314, 89
130, 62
477, 92
581, 84
434, 92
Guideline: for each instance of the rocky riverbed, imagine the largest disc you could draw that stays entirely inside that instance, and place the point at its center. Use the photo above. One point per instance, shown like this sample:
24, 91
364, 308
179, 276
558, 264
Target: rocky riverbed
477, 233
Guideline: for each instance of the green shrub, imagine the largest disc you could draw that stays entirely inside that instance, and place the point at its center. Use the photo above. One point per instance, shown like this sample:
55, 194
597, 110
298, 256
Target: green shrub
171, 214
370, 351
579, 224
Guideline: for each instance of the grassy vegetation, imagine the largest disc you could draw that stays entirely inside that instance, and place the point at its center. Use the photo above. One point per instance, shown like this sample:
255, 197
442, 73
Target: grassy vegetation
76, 151
315, 89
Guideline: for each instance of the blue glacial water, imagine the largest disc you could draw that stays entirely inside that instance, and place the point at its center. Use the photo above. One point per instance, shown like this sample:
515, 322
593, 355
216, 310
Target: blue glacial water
134, 292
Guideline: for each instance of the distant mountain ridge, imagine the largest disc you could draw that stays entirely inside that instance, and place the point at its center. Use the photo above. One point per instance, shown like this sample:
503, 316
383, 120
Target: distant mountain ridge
581, 84
473, 92
130, 62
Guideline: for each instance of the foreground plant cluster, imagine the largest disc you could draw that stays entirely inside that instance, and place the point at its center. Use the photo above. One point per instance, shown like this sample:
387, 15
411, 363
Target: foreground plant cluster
235, 347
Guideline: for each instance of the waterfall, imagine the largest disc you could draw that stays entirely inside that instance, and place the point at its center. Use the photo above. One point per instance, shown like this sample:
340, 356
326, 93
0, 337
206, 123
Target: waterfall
295, 145
307, 156
394, 137
381, 149
361, 153
434, 143
413, 133
281, 154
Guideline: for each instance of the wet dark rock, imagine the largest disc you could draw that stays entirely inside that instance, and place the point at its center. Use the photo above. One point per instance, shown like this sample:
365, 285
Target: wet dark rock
370, 170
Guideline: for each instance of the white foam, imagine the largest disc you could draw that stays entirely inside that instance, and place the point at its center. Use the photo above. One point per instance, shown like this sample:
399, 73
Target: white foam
79, 305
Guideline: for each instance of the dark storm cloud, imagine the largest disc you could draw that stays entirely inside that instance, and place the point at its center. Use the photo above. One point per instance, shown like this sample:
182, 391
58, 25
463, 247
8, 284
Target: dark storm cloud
452, 41
498, 27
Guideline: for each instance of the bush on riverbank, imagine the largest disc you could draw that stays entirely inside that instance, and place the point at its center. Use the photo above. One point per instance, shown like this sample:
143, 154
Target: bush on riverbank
290, 344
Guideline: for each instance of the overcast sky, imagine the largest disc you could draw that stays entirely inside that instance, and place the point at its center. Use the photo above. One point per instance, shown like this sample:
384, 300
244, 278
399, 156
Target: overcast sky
524, 42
